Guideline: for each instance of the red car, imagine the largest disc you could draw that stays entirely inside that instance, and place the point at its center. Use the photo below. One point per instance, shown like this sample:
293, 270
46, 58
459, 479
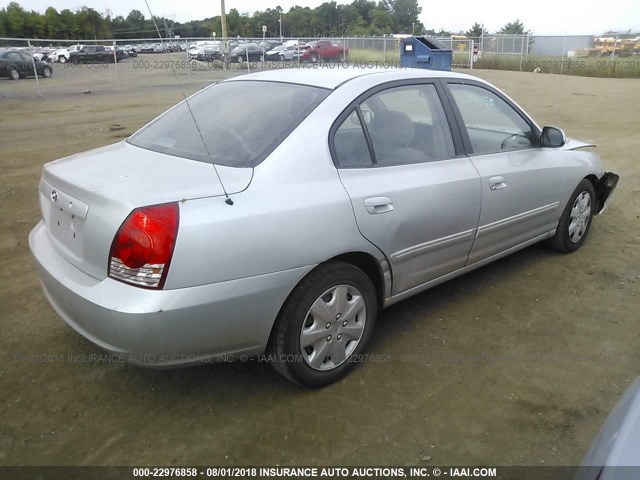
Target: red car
324, 50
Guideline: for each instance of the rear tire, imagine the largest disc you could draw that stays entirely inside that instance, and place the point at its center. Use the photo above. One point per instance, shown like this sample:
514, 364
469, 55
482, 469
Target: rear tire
575, 222
14, 74
324, 325
46, 72
62, 59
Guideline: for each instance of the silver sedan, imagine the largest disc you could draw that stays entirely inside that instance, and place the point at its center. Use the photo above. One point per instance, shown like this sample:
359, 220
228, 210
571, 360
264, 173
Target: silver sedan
221, 231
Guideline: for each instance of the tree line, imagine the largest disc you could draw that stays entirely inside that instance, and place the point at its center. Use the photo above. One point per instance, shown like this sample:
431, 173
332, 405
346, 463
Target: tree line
360, 17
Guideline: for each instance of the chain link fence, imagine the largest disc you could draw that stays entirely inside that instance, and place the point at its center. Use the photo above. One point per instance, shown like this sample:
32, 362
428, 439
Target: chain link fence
154, 63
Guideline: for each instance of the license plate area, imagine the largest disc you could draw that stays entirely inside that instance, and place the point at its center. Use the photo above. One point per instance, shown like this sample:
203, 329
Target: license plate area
64, 216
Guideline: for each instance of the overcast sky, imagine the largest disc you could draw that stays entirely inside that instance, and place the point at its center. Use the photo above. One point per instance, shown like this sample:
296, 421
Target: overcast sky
541, 16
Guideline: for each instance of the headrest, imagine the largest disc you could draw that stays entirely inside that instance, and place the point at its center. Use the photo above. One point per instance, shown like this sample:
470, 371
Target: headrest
393, 128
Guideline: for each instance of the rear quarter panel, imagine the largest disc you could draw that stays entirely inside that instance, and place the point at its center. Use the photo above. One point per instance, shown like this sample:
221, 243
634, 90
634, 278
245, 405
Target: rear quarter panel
295, 213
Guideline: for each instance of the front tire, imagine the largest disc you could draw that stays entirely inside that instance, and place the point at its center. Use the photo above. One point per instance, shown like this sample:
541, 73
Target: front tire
46, 72
324, 325
62, 59
575, 222
14, 74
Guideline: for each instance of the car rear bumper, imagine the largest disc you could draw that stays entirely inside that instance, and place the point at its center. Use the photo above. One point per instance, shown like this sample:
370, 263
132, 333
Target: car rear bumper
166, 327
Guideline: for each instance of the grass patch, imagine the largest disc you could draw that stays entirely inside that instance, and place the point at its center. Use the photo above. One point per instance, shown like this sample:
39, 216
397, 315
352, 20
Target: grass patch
361, 56
604, 67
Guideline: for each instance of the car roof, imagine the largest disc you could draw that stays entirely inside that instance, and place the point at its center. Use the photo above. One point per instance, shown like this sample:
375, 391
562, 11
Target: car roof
332, 76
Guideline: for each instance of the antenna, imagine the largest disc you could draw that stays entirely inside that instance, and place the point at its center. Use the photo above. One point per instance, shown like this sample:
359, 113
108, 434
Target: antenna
228, 199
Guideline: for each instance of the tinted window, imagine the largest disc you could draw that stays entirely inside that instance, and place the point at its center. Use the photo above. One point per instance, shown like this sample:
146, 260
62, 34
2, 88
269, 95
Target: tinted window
493, 125
408, 125
350, 144
241, 122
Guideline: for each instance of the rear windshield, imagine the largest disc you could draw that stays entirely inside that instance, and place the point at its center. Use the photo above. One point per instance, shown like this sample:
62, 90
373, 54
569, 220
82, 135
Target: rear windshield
241, 122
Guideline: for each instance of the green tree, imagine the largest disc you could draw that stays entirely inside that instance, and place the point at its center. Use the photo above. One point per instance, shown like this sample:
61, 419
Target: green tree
16, 20
405, 14
477, 30
513, 28
382, 21
327, 20
53, 24
365, 9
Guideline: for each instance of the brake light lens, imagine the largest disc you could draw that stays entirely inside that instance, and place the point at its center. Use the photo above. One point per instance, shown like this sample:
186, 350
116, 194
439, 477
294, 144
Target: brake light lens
143, 246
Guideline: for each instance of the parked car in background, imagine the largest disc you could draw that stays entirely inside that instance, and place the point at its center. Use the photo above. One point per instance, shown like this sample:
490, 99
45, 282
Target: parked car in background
63, 55
267, 45
147, 48
130, 50
324, 50
120, 53
208, 55
43, 54
285, 227
286, 52
205, 51
91, 54
617, 443
16, 64
250, 51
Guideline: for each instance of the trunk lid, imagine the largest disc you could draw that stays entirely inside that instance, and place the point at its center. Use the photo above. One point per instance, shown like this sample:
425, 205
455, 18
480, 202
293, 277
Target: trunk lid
85, 197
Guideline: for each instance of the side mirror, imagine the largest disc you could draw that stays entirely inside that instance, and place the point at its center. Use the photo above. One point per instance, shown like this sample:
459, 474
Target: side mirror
552, 137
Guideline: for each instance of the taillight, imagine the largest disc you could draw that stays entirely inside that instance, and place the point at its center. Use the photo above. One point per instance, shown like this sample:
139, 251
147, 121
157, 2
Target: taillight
142, 249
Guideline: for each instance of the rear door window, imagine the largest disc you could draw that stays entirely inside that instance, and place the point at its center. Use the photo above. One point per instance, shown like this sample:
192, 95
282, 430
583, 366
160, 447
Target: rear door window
350, 143
408, 125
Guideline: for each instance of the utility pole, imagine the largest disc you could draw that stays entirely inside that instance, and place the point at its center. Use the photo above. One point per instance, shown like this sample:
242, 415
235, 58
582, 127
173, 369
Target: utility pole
280, 21
225, 42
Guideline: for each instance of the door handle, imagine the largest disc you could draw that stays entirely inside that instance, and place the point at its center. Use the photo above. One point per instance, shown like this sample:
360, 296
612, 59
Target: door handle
497, 183
377, 205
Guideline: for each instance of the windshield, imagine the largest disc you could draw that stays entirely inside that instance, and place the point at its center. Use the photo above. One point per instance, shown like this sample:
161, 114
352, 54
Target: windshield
242, 122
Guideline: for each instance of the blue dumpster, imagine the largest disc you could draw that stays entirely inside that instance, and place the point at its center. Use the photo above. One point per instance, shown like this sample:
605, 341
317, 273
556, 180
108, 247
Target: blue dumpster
425, 52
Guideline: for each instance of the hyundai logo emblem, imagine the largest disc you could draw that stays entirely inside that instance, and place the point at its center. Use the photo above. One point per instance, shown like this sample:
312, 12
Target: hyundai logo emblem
54, 196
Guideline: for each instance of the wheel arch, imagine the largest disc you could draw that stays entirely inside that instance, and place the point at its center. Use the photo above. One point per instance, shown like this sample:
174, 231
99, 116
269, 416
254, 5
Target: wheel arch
598, 189
372, 267
377, 271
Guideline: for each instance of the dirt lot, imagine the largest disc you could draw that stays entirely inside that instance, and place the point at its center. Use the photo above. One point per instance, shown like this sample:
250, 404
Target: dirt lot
517, 363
